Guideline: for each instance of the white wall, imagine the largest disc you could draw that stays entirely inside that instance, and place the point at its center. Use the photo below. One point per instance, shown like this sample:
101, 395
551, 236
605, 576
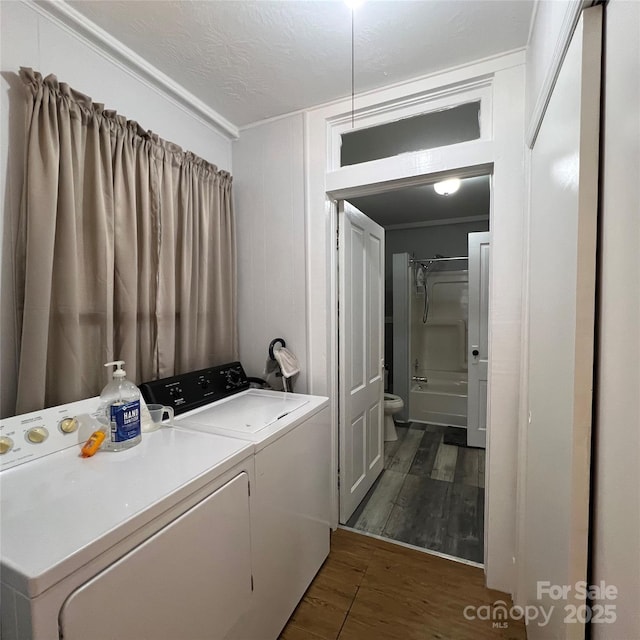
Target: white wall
616, 456
269, 197
550, 33
552, 23
561, 337
33, 39
616, 527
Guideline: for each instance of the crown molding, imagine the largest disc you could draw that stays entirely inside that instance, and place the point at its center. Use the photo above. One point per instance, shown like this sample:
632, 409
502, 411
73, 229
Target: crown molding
435, 223
108, 46
460, 75
572, 14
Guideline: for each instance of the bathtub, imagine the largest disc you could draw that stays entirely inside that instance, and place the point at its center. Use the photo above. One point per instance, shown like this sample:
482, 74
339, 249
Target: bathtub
440, 400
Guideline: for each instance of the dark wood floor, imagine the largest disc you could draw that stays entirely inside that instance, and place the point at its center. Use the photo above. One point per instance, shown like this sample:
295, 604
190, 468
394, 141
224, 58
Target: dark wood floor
374, 590
430, 494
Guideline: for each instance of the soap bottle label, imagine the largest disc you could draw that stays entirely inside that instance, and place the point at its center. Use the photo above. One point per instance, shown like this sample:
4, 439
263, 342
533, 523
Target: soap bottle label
125, 421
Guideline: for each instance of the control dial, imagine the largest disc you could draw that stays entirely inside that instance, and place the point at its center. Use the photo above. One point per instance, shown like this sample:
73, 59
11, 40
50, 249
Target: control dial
234, 378
68, 425
36, 435
6, 444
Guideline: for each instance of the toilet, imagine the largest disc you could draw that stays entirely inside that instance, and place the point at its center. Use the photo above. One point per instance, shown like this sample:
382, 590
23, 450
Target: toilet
392, 404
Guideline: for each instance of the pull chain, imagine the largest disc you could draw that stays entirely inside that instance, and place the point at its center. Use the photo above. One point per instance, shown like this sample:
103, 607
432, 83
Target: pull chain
353, 99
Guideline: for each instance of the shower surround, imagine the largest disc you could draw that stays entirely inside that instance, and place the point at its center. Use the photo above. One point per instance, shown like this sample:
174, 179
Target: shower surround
438, 348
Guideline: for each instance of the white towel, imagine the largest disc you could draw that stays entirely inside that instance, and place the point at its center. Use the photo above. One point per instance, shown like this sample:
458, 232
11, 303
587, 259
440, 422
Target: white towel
287, 361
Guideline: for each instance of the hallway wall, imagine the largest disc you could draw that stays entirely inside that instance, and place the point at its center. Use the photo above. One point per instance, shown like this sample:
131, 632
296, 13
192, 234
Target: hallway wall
268, 174
616, 526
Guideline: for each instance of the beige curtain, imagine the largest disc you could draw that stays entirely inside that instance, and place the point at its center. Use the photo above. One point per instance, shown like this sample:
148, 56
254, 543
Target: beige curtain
126, 251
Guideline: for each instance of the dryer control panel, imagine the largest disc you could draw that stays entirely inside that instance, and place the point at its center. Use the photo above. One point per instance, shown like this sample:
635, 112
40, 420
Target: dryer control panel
194, 389
31, 436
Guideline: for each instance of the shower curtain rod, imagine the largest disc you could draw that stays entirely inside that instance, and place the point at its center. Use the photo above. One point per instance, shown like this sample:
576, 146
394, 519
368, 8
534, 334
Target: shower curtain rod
413, 260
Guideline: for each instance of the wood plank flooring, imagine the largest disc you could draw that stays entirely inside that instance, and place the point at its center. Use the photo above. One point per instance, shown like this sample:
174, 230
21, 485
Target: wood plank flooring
430, 494
369, 589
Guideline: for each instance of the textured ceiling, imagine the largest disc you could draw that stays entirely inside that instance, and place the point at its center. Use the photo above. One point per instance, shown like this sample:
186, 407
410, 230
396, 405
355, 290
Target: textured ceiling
422, 203
251, 60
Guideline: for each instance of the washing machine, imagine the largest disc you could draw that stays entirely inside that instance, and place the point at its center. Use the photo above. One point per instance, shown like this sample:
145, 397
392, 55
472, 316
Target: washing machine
149, 543
291, 498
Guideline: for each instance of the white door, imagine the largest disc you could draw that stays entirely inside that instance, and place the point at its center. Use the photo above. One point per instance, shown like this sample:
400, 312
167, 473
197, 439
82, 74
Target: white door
361, 345
562, 249
478, 339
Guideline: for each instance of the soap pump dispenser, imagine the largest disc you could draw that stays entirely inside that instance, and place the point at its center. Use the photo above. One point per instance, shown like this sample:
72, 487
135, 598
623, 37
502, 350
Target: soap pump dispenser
121, 399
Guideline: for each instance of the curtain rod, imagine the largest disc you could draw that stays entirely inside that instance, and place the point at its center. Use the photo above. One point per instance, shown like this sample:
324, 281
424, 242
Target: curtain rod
413, 260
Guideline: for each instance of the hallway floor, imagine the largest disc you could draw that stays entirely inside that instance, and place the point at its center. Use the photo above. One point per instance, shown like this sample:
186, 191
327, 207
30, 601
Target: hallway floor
373, 590
430, 494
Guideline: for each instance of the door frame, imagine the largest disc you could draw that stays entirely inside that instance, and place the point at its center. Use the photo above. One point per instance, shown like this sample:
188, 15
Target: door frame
482, 168
501, 151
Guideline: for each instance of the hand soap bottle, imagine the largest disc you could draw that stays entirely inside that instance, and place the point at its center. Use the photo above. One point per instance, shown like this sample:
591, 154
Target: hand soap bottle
121, 400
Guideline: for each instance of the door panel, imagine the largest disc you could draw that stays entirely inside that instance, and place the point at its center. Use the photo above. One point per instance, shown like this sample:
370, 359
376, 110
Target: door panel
356, 264
375, 451
358, 462
190, 580
562, 236
478, 339
361, 324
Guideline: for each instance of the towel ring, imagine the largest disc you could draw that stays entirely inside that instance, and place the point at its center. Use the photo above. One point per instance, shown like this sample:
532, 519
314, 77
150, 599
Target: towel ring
274, 342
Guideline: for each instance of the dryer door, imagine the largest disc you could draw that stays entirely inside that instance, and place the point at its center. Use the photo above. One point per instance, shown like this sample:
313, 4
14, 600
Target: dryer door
190, 580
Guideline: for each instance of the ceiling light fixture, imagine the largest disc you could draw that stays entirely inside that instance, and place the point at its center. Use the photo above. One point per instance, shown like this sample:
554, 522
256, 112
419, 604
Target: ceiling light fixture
447, 187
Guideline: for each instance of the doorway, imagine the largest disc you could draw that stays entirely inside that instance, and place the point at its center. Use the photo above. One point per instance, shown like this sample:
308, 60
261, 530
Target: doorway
498, 152
427, 490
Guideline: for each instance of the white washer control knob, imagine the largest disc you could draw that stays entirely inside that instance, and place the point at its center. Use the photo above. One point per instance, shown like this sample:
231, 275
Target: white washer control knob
6, 444
36, 435
68, 425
